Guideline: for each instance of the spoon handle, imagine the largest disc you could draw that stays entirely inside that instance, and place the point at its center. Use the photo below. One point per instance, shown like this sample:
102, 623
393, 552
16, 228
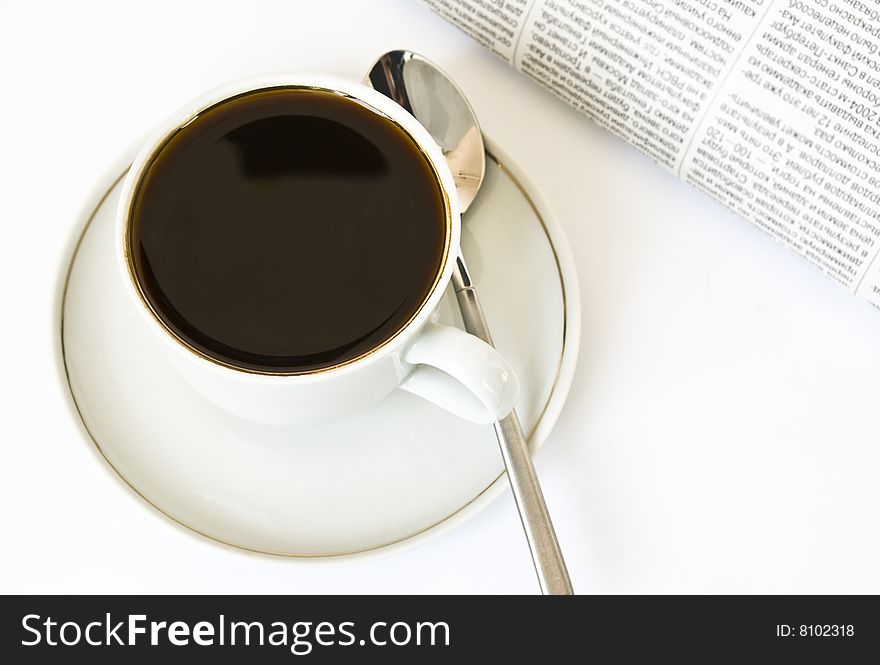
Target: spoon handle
546, 555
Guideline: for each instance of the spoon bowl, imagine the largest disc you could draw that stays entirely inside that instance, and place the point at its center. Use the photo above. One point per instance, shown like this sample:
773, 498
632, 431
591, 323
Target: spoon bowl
440, 106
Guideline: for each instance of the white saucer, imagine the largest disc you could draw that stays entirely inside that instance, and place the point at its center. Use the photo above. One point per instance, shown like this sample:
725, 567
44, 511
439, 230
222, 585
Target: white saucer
380, 478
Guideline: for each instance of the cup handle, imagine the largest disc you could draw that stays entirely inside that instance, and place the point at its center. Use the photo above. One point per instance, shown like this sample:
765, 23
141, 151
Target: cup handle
461, 373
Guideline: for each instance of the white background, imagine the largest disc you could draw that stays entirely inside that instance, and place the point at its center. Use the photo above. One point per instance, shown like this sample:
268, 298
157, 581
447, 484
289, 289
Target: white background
722, 431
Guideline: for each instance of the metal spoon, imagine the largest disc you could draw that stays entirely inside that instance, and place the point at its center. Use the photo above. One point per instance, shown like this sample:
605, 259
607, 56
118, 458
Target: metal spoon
430, 95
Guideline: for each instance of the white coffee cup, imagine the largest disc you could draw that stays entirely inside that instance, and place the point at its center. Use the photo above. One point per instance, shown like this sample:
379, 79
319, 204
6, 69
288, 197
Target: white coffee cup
445, 365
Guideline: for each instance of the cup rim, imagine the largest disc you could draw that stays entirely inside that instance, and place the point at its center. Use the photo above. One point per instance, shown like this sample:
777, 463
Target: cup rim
358, 92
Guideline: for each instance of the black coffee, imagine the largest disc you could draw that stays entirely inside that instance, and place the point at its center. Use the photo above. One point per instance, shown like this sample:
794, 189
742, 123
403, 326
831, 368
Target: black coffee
288, 230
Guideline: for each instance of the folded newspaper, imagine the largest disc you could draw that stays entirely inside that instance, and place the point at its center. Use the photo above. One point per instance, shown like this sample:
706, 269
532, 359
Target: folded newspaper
772, 107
